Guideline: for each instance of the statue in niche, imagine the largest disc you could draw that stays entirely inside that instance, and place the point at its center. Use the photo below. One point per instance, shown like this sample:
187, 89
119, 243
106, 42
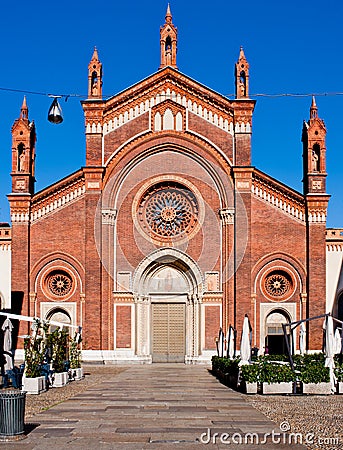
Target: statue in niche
242, 84
315, 161
94, 84
21, 160
168, 56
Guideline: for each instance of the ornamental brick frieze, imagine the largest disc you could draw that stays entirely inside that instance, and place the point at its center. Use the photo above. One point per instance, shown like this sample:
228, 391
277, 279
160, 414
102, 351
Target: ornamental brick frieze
119, 297
317, 216
286, 201
334, 247
123, 109
20, 216
317, 208
212, 298
20, 210
57, 199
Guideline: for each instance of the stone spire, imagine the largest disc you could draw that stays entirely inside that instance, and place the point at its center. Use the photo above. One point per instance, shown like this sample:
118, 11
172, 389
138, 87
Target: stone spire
24, 112
95, 76
168, 42
242, 76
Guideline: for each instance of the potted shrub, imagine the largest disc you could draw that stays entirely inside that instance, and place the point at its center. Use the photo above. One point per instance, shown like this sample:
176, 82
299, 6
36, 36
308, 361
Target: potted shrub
250, 376
277, 378
75, 360
57, 342
34, 347
339, 372
313, 374
226, 370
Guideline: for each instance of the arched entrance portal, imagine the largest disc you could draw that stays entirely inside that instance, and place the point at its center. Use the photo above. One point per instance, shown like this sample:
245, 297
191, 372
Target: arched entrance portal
275, 340
168, 291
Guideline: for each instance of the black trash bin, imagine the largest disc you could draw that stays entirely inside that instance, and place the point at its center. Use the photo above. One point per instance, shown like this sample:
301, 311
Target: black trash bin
12, 412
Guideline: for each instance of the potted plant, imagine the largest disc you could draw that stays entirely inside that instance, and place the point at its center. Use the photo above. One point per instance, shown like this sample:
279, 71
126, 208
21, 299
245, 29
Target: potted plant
339, 372
75, 359
57, 342
34, 347
313, 374
226, 370
277, 377
250, 376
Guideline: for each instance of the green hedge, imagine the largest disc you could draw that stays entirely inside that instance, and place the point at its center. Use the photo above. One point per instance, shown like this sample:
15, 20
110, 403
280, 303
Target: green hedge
266, 369
225, 365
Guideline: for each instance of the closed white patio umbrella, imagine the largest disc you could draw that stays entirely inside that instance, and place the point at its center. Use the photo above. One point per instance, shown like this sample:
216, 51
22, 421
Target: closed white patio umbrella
245, 349
230, 342
302, 338
329, 350
221, 343
7, 328
338, 342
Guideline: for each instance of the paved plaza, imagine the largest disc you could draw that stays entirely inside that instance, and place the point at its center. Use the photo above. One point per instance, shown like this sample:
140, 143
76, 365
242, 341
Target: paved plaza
153, 406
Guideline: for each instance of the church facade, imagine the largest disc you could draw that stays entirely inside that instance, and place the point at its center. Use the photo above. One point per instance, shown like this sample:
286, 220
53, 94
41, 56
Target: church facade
169, 233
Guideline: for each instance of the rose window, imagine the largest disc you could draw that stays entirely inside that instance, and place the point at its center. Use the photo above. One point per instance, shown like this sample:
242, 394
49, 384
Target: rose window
278, 284
169, 210
59, 283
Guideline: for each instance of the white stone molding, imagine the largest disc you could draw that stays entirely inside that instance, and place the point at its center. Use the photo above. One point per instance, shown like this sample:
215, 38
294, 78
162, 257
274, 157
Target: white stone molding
20, 217
227, 216
317, 217
108, 216
143, 325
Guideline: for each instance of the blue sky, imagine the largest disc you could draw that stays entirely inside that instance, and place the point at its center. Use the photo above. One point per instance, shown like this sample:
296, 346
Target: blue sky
292, 47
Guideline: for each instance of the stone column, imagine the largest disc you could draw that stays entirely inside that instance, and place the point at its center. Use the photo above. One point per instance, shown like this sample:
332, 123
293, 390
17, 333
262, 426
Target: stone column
255, 325
108, 218
33, 304
189, 327
227, 216
196, 325
142, 326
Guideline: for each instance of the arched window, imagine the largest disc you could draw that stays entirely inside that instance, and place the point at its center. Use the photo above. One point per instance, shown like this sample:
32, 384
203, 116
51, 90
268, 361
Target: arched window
168, 120
158, 122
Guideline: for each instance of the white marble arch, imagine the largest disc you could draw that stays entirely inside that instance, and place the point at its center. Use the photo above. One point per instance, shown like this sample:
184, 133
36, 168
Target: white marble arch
168, 275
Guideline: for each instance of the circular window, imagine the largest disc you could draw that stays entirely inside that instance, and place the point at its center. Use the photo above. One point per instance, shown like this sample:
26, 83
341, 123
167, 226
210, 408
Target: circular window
59, 283
278, 284
169, 210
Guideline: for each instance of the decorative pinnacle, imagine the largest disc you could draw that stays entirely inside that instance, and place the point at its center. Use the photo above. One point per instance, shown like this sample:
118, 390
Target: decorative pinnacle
24, 109
95, 54
169, 16
313, 109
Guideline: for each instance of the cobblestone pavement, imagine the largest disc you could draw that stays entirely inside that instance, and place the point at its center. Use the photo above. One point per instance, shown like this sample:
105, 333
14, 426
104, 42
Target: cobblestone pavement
150, 407
318, 418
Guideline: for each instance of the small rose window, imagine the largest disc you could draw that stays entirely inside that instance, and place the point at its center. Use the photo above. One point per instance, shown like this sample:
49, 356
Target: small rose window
278, 284
59, 283
169, 210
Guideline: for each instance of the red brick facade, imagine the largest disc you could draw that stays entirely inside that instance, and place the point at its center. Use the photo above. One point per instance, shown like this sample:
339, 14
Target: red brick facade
168, 210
